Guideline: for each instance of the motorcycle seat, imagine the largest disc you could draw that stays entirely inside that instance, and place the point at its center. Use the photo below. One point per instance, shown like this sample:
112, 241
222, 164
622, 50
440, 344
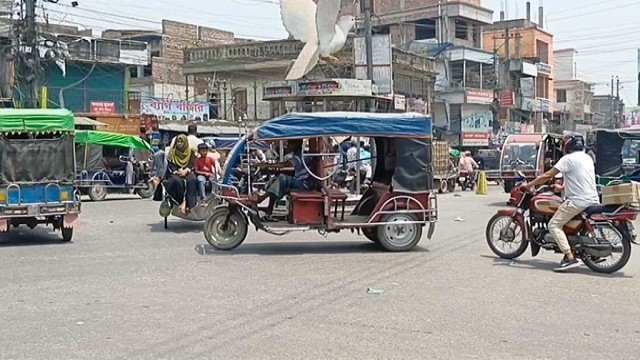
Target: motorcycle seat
599, 209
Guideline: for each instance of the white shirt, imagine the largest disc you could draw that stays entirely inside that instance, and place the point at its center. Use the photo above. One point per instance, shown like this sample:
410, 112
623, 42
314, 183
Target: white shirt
579, 176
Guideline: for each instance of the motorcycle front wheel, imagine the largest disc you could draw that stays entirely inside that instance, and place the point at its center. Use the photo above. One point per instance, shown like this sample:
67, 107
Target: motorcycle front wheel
505, 237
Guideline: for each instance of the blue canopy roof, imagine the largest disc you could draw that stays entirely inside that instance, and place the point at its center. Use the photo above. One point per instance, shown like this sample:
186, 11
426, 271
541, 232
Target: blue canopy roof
229, 142
303, 125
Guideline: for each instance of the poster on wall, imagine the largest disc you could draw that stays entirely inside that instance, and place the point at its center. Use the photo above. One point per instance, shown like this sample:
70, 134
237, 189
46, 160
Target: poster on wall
477, 121
173, 110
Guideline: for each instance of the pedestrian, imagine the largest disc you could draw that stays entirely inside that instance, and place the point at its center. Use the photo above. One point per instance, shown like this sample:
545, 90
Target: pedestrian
205, 169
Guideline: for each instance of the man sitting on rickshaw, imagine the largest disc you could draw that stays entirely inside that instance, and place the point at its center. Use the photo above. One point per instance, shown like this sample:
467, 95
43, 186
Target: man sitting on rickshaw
284, 184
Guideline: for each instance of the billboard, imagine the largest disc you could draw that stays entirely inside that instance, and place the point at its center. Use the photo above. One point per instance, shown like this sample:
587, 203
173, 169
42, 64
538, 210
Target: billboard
382, 60
175, 109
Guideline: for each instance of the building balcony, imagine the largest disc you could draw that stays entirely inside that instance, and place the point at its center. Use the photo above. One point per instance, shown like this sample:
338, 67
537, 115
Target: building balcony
277, 55
82, 48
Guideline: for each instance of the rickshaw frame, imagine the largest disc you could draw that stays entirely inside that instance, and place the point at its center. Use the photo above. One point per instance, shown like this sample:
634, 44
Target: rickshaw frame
89, 181
418, 206
606, 145
35, 204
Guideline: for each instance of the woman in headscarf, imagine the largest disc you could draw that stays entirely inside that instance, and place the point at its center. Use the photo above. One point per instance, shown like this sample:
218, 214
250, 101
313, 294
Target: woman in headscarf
181, 184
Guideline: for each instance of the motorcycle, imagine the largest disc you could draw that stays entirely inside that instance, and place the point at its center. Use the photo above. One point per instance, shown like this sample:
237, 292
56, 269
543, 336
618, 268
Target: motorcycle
466, 181
596, 235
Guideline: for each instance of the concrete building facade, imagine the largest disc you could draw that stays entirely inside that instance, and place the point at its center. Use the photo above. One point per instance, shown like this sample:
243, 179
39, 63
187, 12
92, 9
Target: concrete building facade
527, 86
573, 96
163, 77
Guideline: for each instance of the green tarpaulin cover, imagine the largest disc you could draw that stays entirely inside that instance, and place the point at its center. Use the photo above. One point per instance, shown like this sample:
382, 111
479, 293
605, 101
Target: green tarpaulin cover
36, 120
454, 153
111, 139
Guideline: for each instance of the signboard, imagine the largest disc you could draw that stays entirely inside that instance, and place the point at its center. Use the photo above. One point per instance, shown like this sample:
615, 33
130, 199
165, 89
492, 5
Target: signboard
336, 87
544, 69
278, 90
530, 105
475, 139
545, 105
476, 120
529, 69
507, 98
484, 97
103, 107
527, 88
175, 109
120, 125
382, 62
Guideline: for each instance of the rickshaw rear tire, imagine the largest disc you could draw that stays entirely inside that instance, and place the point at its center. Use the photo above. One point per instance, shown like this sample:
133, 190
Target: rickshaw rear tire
371, 234
385, 233
97, 196
214, 228
67, 234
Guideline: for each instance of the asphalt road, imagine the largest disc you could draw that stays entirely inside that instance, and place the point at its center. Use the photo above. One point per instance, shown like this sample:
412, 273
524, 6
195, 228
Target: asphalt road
127, 288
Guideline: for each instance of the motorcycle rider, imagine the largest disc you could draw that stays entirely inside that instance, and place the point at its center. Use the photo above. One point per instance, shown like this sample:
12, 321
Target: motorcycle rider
467, 165
579, 189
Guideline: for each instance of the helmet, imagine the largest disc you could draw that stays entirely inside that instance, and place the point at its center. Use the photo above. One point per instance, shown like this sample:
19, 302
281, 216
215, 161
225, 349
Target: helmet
572, 143
211, 144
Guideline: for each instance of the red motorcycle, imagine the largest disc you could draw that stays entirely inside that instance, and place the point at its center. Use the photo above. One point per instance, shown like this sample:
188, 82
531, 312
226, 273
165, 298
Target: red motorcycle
595, 236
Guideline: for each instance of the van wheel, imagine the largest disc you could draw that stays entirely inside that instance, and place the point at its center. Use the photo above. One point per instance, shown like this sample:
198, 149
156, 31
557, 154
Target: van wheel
399, 236
97, 192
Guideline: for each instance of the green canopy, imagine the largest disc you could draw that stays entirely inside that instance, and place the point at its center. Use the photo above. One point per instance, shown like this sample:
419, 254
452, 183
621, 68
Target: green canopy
36, 120
111, 139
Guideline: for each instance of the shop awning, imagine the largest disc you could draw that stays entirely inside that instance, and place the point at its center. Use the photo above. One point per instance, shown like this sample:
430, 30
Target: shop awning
85, 121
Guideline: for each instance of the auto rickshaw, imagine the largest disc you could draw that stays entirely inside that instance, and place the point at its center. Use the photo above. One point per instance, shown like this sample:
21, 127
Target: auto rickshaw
391, 213
614, 155
37, 164
111, 162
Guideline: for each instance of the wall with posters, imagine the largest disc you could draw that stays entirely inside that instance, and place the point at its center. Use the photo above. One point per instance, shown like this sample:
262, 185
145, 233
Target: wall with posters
174, 110
477, 118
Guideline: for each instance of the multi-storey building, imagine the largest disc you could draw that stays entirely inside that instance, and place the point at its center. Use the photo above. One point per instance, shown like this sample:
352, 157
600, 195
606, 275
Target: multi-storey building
526, 81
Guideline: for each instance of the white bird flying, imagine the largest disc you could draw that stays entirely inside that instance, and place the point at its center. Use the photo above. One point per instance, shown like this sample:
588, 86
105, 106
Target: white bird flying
319, 28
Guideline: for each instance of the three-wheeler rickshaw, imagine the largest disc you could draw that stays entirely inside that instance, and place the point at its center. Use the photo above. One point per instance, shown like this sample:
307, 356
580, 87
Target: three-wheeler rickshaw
37, 170
111, 162
392, 212
616, 162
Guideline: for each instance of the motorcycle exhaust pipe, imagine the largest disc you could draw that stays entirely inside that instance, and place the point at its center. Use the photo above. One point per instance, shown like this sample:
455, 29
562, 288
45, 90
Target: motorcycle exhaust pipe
599, 250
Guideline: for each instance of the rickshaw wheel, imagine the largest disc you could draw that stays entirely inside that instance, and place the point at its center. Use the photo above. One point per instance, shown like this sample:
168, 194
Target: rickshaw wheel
67, 234
443, 186
229, 236
371, 234
97, 192
148, 191
399, 236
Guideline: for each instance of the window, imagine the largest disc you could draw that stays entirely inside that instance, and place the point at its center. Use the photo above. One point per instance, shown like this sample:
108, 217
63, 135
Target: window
561, 96
543, 51
425, 29
462, 30
542, 87
240, 105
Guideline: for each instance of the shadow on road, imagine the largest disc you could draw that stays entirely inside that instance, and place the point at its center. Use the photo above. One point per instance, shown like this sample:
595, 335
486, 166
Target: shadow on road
298, 248
177, 226
23, 236
540, 265
87, 200
500, 204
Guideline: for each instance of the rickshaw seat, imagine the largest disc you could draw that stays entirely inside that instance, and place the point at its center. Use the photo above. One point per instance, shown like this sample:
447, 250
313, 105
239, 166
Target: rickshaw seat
337, 195
305, 195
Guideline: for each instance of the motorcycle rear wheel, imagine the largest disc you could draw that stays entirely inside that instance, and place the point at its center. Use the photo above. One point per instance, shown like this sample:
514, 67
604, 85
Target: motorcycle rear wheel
597, 266
509, 237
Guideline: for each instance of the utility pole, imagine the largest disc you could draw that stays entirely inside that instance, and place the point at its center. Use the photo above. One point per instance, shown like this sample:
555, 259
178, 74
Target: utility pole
612, 106
29, 56
368, 41
255, 100
618, 116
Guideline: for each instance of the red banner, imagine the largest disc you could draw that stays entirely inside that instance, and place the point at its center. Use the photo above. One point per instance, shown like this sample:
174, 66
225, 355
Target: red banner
103, 107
